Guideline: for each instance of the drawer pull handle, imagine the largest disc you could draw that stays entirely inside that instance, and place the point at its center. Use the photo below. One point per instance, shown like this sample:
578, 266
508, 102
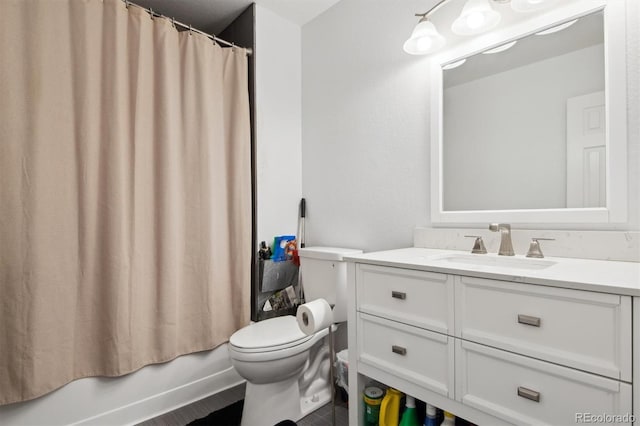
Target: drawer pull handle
529, 394
529, 320
398, 295
398, 350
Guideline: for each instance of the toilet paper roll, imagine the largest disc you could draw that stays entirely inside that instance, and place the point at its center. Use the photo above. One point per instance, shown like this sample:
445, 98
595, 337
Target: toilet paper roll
314, 316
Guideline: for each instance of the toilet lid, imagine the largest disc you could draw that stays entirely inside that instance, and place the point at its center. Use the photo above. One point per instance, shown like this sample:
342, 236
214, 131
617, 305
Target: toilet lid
271, 334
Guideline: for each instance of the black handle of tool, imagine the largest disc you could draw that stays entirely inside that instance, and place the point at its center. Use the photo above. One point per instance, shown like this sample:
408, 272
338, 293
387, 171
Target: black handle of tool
303, 213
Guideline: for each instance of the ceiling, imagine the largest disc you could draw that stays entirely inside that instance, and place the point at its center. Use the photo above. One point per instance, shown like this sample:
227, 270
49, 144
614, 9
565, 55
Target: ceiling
213, 16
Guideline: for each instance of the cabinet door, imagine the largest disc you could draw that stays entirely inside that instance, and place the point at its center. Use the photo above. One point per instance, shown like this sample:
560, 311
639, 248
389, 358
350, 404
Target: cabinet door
423, 299
410, 353
527, 391
580, 329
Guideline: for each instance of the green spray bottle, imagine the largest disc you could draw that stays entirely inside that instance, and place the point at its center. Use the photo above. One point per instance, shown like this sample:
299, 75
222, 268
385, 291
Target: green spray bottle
410, 416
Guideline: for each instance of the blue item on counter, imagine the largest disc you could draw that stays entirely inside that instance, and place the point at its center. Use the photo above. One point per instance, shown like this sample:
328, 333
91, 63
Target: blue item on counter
280, 247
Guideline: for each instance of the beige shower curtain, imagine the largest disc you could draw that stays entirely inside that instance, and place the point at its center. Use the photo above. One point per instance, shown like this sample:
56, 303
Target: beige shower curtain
125, 192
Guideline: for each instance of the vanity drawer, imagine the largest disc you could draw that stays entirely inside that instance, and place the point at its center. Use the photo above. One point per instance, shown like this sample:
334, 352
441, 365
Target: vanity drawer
411, 353
584, 330
423, 299
527, 391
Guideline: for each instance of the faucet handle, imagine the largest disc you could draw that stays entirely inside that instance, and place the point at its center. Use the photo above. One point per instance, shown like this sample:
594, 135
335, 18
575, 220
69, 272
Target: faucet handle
534, 247
495, 227
478, 245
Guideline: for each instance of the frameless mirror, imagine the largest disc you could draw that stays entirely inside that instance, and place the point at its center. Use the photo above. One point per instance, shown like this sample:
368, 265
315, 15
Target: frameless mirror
524, 129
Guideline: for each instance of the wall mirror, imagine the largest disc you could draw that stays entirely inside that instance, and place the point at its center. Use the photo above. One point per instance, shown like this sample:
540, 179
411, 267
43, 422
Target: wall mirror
529, 122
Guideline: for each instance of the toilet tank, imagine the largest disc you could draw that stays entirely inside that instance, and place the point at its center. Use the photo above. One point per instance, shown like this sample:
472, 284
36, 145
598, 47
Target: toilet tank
323, 273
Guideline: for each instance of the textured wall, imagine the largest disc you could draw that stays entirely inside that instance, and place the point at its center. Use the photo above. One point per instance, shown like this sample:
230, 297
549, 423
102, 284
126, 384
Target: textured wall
365, 150
278, 100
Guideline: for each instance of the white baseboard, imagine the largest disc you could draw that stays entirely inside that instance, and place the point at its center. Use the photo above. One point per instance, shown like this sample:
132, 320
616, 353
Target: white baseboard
164, 402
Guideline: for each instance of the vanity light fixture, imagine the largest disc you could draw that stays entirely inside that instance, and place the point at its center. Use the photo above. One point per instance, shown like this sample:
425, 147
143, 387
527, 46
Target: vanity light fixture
477, 16
500, 48
424, 39
530, 5
557, 28
453, 65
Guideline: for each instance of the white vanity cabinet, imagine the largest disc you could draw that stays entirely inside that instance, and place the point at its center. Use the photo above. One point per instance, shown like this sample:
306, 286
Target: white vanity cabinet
493, 351
418, 298
403, 317
580, 329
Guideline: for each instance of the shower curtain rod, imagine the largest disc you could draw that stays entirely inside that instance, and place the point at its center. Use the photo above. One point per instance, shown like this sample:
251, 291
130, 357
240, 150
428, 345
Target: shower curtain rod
188, 27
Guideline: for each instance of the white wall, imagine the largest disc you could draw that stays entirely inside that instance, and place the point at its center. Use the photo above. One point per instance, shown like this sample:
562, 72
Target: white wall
130, 399
278, 132
365, 126
521, 137
365, 152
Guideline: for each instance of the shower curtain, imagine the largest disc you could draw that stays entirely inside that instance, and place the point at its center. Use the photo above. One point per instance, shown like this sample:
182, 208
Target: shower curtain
125, 192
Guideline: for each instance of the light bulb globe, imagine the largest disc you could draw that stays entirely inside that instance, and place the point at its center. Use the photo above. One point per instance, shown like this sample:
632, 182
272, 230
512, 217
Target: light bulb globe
477, 16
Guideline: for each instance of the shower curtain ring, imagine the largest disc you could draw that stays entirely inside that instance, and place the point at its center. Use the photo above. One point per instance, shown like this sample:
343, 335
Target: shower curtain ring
190, 30
126, 4
151, 13
173, 22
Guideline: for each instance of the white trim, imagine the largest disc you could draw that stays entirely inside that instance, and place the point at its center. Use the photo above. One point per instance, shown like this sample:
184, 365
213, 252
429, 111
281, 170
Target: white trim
616, 116
164, 402
636, 359
615, 79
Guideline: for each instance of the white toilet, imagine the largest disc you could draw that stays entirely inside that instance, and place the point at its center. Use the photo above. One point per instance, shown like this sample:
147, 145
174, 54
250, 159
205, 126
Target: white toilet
287, 371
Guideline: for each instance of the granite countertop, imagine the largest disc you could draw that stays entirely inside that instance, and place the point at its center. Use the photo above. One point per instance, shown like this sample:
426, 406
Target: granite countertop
603, 276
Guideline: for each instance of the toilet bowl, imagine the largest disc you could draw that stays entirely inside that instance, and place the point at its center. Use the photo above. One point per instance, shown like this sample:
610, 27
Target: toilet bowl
287, 372
272, 355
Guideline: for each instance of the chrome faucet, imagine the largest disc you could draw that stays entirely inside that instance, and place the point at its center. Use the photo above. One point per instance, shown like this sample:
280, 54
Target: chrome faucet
506, 247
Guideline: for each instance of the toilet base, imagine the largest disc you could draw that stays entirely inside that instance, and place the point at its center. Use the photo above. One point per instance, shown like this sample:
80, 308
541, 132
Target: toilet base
268, 404
271, 403
312, 403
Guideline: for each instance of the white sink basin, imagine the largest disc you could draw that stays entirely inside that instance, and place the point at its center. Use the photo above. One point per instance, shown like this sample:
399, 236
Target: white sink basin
496, 261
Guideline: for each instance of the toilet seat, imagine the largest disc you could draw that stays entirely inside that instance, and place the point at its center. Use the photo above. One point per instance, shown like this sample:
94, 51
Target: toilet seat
272, 339
269, 335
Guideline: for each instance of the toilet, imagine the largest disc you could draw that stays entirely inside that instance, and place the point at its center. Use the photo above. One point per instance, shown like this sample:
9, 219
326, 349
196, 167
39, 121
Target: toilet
287, 371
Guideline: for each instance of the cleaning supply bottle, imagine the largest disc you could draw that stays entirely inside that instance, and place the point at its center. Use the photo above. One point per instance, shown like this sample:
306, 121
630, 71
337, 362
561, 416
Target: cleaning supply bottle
372, 399
431, 416
410, 415
390, 408
449, 419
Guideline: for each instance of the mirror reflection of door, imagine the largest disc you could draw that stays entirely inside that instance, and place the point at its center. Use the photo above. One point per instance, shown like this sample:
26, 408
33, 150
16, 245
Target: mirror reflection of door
586, 152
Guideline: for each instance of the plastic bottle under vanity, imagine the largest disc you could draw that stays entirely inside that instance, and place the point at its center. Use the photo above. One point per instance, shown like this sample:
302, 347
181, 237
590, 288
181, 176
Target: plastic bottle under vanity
410, 415
372, 398
431, 416
390, 408
449, 419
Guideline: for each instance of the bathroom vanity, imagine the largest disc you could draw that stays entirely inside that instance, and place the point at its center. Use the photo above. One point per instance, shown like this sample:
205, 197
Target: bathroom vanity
496, 339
